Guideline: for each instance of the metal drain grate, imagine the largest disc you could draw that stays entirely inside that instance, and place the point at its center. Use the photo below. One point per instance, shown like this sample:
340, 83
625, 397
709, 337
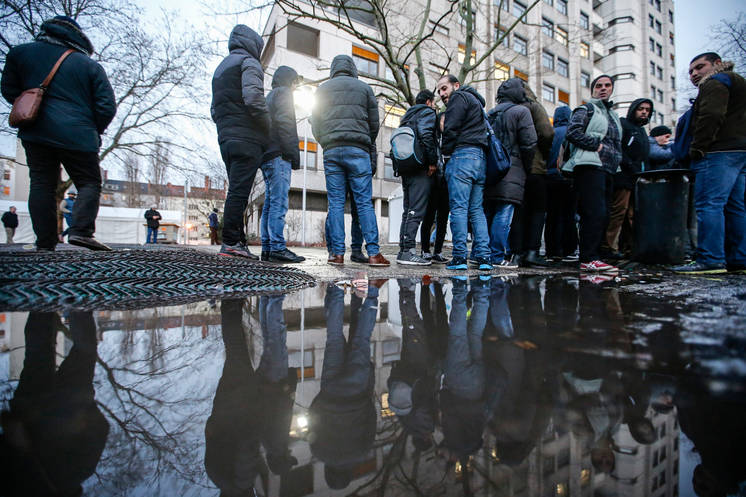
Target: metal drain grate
134, 279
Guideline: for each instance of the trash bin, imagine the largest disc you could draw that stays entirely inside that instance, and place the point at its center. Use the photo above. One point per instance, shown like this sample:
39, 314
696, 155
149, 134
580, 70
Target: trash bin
660, 224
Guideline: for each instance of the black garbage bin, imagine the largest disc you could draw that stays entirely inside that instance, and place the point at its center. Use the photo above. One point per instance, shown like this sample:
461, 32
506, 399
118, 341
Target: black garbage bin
660, 225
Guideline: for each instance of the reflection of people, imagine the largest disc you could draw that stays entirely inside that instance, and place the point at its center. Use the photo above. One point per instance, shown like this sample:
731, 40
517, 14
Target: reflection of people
53, 434
342, 416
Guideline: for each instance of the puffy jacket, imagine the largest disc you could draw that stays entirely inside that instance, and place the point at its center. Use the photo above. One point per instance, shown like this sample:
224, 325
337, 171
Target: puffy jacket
661, 156
561, 121
586, 141
79, 103
635, 147
423, 120
238, 108
544, 132
346, 111
521, 141
464, 124
283, 134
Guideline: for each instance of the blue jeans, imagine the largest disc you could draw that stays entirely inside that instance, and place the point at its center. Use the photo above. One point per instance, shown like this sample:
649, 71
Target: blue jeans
499, 216
276, 187
356, 235
465, 174
343, 167
719, 202
152, 236
273, 365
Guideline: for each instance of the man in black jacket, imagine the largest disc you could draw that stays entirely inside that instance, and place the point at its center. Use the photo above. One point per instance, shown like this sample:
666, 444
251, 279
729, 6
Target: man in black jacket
421, 117
240, 113
153, 218
77, 107
10, 223
635, 152
282, 155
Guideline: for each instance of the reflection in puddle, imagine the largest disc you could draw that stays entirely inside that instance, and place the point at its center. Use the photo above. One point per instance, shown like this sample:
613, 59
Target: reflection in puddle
530, 386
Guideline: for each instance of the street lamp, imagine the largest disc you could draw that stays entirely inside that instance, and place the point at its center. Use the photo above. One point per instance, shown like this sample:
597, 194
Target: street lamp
304, 99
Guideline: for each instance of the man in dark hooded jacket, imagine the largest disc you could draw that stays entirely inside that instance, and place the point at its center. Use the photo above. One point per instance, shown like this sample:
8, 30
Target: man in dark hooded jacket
240, 113
345, 123
282, 155
512, 123
635, 152
77, 107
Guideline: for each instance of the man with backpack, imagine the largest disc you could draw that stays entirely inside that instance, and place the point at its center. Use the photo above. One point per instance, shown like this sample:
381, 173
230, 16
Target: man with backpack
717, 133
415, 172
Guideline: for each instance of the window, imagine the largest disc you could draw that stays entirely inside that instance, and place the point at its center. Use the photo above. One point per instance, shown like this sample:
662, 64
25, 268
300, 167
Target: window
563, 97
663, 453
658, 27
562, 6
563, 68
365, 60
561, 35
462, 55
652, 68
549, 2
312, 151
652, 92
651, 20
622, 48
663, 434
503, 4
547, 60
585, 50
392, 115
659, 49
670, 16
502, 71
388, 168
439, 28
585, 80
303, 39
585, 21
673, 82
620, 20
6, 175
655, 459
520, 45
547, 27
462, 21
520, 75
547, 92
651, 44
624, 75
672, 58
518, 8
673, 109
660, 118
501, 33
389, 74
670, 37
658, 5
659, 71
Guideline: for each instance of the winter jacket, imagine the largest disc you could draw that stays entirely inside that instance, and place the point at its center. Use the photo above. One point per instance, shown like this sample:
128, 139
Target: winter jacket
238, 108
561, 120
719, 114
587, 131
661, 156
346, 111
521, 141
464, 124
283, 134
10, 219
79, 103
635, 147
544, 132
149, 215
212, 220
423, 120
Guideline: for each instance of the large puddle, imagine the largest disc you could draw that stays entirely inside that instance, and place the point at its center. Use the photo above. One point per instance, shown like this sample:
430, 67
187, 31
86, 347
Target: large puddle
531, 386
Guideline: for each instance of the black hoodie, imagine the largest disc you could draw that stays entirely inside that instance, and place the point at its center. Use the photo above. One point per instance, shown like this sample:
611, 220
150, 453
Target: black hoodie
423, 120
635, 146
283, 134
464, 123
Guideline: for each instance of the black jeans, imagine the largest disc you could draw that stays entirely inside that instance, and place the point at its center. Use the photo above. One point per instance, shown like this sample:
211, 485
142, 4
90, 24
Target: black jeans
242, 160
44, 172
595, 188
528, 220
416, 193
561, 232
436, 212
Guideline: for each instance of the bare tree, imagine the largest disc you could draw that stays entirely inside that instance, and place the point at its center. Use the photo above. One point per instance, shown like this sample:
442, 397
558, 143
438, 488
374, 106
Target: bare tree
159, 164
131, 166
730, 35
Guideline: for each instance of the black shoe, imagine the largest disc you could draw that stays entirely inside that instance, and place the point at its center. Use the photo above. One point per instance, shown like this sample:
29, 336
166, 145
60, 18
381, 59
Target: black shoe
736, 268
88, 242
439, 259
286, 256
237, 250
265, 256
358, 257
533, 259
699, 268
517, 260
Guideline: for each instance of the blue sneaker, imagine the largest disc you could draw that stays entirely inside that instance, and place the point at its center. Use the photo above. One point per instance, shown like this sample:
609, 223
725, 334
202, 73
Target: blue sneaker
457, 264
481, 263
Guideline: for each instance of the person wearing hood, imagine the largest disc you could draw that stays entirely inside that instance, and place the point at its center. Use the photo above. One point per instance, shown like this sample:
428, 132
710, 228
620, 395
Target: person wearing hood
718, 155
77, 107
560, 232
421, 117
661, 153
345, 123
240, 113
594, 134
280, 157
635, 153
513, 125
464, 147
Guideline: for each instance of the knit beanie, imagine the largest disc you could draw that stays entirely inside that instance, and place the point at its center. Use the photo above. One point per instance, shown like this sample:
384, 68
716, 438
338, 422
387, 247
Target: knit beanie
660, 131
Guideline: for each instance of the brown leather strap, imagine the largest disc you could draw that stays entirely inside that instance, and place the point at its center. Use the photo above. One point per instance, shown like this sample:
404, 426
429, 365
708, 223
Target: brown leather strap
51, 74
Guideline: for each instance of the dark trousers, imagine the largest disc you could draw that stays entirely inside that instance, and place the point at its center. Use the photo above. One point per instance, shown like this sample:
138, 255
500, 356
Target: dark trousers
416, 193
528, 223
44, 172
595, 188
242, 161
436, 212
213, 236
561, 232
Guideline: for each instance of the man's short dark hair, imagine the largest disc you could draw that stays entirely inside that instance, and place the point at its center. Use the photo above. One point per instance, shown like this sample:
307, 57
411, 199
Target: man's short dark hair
450, 77
424, 96
709, 56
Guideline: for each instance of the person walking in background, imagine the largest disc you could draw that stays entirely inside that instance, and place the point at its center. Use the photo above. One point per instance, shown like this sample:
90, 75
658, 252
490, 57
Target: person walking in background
464, 151
560, 232
77, 107
214, 224
513, 125
594, 134
718, 155
153, 218
345, 123
240, 113
281, 156
10, 223
437, 208
66, 207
